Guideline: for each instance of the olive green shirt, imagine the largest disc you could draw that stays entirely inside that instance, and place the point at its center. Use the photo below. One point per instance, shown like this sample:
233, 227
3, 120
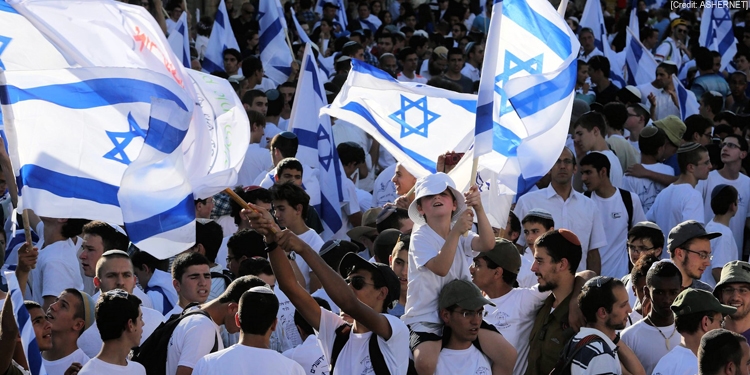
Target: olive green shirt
548, 336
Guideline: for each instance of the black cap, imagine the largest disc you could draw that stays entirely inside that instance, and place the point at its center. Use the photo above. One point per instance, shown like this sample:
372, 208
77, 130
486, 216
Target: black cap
352, 260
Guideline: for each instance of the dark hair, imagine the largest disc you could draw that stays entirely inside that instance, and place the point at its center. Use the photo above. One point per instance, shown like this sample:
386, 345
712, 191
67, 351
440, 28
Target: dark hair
286, 146
350, 152
379, 282
641, 267
210, 235
690, 157
233, 52
600, 63
289, 163
690, 323
303, 325
73, 227
257, 312
393, 221
596, 160
333, 256
351, 49
719, 347
185, 260
405, 52
417, 41
652, 234
515, 224
32, 305
250, 96
111, 237
591, 120
239, 286
256, 118
292, 194
141, 258
730, 117
593, 297
250, 65
559, 247
251, 196
544, 222
668, 68
114, 310
616, 115
247, 243
703, 59
662, 269
724, 199
255, 266
651, 145
741, 140
715, 102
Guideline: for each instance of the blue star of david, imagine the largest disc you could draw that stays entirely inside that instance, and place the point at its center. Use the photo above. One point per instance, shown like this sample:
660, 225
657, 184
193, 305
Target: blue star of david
519, 65
4, 41
420, 104
122, 140
325, 160
721, 19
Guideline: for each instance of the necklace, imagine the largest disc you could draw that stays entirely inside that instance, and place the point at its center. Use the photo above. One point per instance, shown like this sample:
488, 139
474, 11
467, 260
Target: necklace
666, 339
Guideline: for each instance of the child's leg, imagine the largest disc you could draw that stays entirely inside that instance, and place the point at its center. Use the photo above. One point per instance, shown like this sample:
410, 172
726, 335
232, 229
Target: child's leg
426, 357
498, 350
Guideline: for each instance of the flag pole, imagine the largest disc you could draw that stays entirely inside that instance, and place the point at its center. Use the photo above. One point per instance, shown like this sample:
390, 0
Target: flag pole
236, 198
562, 8
26, 227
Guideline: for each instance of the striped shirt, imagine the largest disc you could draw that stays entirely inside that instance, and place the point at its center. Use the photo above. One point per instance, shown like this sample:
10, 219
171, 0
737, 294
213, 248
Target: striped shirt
598, 357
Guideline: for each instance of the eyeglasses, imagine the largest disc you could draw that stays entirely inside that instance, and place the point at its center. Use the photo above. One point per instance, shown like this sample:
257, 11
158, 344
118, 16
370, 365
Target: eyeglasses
705, 255
730, 145
357, 282
743, 290
471, 314
599, 281
681, 31
639, 249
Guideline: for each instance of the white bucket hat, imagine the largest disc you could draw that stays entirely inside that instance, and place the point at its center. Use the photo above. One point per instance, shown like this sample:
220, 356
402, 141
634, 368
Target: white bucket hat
432, 185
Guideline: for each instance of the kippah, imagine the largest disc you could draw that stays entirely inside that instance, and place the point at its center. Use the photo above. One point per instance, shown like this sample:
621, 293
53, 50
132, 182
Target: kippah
717, 190
687, 147
113, 252
118, 228
569, 236
260, 289
634, 90
387, 54
344, 58
540, 213
349, 43
669, 62
714, 93
647, 224
250, 188
649, 131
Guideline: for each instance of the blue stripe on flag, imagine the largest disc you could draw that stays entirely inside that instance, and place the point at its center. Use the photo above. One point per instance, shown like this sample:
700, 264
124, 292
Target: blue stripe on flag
5, 7
363, 67
329, 212
467, 104
170, 137
539, 26
310, 67
68, 186
484, 118
545, 94
180, 215
91, 93
219, 18
306, 138
364, 113
504, 141
209, 66
267, 37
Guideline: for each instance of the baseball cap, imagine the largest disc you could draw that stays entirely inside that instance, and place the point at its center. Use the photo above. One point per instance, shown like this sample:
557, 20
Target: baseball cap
441, 51
735, 271
504, 254
678, 22
385, 241
351, 261
692, 301
673, 127
431, 185
368, 224
462, 293
686, 231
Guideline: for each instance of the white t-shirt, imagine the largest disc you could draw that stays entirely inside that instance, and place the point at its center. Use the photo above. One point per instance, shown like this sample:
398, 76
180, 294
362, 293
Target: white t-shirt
723, 250
417, 78
679, 361
59, 366
257, 160
161, 290
675, 204
310, 182
57, 269
424, 285
309, 356
324, 295
90, 340
313, 239
647, 189
245, 360
192, 339
468, 361
736, 223
98, 367
648, 344
349, 206
269, 132
578, 214
354, 357
614, 216
218, 284
526, 278
470, 71
221, 256
513, 316
383, 189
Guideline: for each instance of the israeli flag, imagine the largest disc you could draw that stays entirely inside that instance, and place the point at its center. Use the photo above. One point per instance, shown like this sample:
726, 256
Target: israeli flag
16, 237
25, 327
22, 46
526, 93
340, 13
634, 24
155, 196
415, 123
688, 103
73, 132
326, 65
179, 40
221, 39
717, 33
274, 51
316, 145
640, 65
593, 18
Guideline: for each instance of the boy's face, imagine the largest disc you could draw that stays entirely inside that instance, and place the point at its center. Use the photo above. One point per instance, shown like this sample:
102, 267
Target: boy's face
289, 175
583, 73
42, 328
285, 214
437, 205
195, 284
92, 250
400, 266
532, 231
583, 138
641, 247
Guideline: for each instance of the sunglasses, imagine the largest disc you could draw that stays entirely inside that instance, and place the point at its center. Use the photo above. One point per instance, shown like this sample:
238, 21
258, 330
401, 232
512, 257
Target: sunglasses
357, 282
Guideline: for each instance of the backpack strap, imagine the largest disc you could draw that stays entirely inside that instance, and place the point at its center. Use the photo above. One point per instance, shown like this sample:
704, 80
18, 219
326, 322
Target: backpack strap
338, 344
587, 193
627, 200
376, 357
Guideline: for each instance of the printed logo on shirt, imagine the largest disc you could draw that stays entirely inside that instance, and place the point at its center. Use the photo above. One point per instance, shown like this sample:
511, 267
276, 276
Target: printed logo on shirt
616, 215
368, 366
483, 371
500, 320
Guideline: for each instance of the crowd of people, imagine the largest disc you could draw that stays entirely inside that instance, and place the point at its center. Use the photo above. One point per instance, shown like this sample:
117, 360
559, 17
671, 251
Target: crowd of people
628, 257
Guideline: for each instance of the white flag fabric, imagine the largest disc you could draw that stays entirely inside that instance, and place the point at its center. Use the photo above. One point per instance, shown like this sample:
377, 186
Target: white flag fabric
25, 327
640, 65
593, 18
634, 24
22, 46
316, 145
221, 39
686, 98
155, 196
179, 40
340, 13
274, 51
717, 33
73, 132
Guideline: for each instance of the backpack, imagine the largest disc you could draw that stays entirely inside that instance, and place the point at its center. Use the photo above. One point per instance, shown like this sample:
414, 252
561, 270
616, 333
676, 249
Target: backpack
152, 354
627, 200
376, 356
225, 275
562, 367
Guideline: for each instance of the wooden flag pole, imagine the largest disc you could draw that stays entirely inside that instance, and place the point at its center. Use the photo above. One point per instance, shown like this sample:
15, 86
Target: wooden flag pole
234, 197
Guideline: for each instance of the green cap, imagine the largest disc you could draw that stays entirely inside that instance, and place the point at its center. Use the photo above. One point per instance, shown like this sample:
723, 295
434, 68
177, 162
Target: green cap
505, 254
692, 301
462, 293
735, 271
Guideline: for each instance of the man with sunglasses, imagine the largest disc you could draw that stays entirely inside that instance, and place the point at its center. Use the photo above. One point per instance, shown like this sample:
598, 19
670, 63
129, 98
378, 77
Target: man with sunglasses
689, 248
734, 290
674, 47
696, 313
